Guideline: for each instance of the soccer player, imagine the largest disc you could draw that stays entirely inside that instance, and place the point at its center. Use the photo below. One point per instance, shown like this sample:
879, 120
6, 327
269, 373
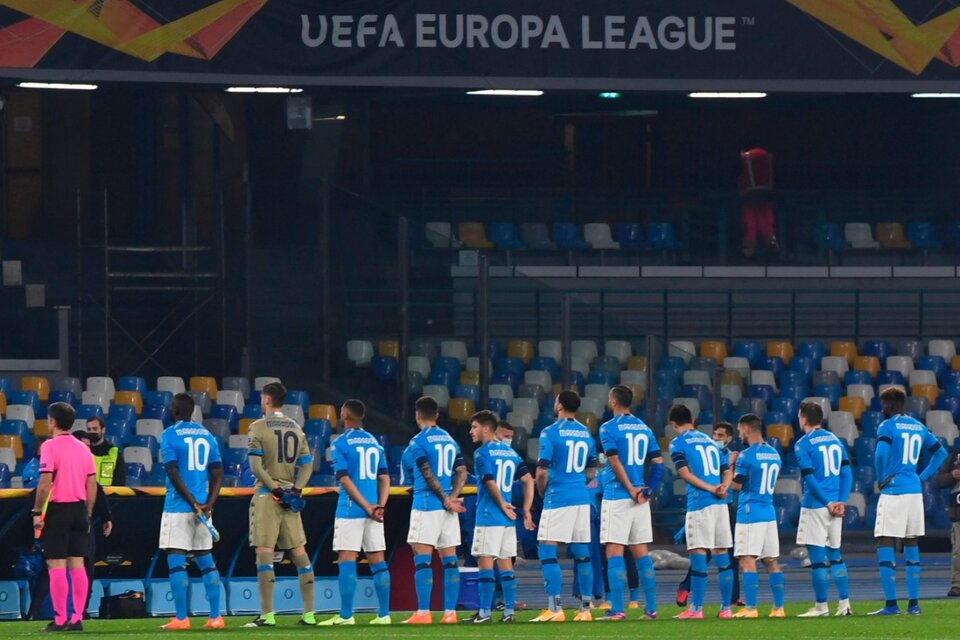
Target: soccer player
361, 468
439, 474
566, 462
64, 522
900, 440
827, 479
630, 447
757, 469
191, 456
495, 536
701, 463
281, 462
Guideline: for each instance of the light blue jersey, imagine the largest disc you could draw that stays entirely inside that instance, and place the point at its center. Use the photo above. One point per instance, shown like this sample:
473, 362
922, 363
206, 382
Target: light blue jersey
442, 453
757, 469
823, 455
357, 455
496, 461
907, 438
567, 450
194, 450
705, 459
632, 441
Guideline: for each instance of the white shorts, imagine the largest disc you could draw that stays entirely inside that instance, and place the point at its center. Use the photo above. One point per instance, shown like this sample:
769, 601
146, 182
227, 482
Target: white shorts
818, 528
494, 542
709, 528
900, 516
358, 534
440, 529
625, 522
565, 524
184, 531
757, 539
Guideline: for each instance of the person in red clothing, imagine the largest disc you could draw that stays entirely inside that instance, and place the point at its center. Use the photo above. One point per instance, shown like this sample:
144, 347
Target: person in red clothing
755, 185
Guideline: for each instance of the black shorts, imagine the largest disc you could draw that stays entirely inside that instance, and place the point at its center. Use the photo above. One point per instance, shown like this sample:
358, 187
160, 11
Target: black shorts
66, 531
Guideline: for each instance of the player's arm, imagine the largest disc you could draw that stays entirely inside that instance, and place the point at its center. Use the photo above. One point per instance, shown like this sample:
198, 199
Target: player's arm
383, 487
937, 455
544, 461
592, 466
344, 479
44, 486
214, 482
654, 467
255, 458
620, 473
683, 470
459, 478
173, 472
494, 490
529, 488
304, 464
742, 475
881, 455
543, 473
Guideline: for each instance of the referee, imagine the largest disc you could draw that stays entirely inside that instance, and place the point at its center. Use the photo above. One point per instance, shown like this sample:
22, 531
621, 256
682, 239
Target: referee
68, 481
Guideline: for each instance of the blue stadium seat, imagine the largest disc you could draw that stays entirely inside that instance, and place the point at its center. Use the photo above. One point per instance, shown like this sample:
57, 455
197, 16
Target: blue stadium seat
510, 365
148, 442
666, 392
773, 364
661, 236
157, 476
132, 383
20, 429
87, 411
863, 450
831, 391
922, 235
494, 349
762, 392
867, 475
498, 406
506, 377
228, 413
252, 412
787, 405
297, 397
448, 364
123, 411
602, 377
547, 364
385, 368
790, 378
870, 420
804, 365
775, 442
444, 378
24, 397
788, 509
5, 386
235, 456
62, 396
950, 403
752, 350
699, 391
471, 391
504, 236
856, 377
630, 237
889, 377
776, 417
811, 349
157, 412
756, 406
321, 428
674, 364
606, 364
851, 519
4, 476
157, 398
831, 237
881, 349
933, 363
136, 474
254, 397
121, 428
705, 417
950, 376
566, 235
952, 389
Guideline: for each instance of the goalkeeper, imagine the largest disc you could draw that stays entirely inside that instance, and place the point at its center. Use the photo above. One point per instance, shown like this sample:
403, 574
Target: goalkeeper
278, 450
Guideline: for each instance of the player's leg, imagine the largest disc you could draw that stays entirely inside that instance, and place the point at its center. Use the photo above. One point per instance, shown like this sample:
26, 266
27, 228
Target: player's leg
547, 540
911, 562
775, 578
347, 568
643, 535
886, 558
447, 544
722, 543
306, 580
821, 580
347, 543
264, 532
211, 585
838, 569
423, 576
484, 589
78, 544
617, 576
613, 531
422, 536
508, 582
381, 585
751, 584
179, 585
583, 563
698, 583
735, 597
633, 578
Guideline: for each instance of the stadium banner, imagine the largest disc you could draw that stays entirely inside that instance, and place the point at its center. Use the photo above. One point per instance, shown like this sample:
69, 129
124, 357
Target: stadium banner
129, 551
785, 45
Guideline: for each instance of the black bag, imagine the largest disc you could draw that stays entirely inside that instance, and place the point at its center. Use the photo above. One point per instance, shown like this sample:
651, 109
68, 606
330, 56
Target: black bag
129, 604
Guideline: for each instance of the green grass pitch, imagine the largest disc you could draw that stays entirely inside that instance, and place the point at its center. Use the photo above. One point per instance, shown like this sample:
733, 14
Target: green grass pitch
939, 620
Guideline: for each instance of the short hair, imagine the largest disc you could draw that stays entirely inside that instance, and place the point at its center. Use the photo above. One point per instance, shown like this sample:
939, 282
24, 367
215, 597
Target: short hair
181, 407
751, 420
427, 408
726, 426
276, 392
86, 436
97, 419
892, 400
622, 395
503, 424
356, 408
62, 414
569, 400
811, 412
680, 414
485, 418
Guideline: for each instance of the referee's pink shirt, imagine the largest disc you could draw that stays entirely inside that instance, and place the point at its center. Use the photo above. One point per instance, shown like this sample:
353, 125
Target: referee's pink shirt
71, 462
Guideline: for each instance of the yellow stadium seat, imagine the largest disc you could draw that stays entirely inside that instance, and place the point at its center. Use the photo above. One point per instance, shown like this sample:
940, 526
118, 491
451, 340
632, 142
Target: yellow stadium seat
36, 383
890, 236
3, 404
324, 412
204, 383
41, 428
955, 363
12, 442
855, 405
473, 235
522, 349
867, 363
713, 349
637, 363
589, 421
244, 427
928, 391
780, 349
459, 410
782, 431
131, 398
470, 377
730, 376
637, 394
844, 349
664, 444
388, 349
